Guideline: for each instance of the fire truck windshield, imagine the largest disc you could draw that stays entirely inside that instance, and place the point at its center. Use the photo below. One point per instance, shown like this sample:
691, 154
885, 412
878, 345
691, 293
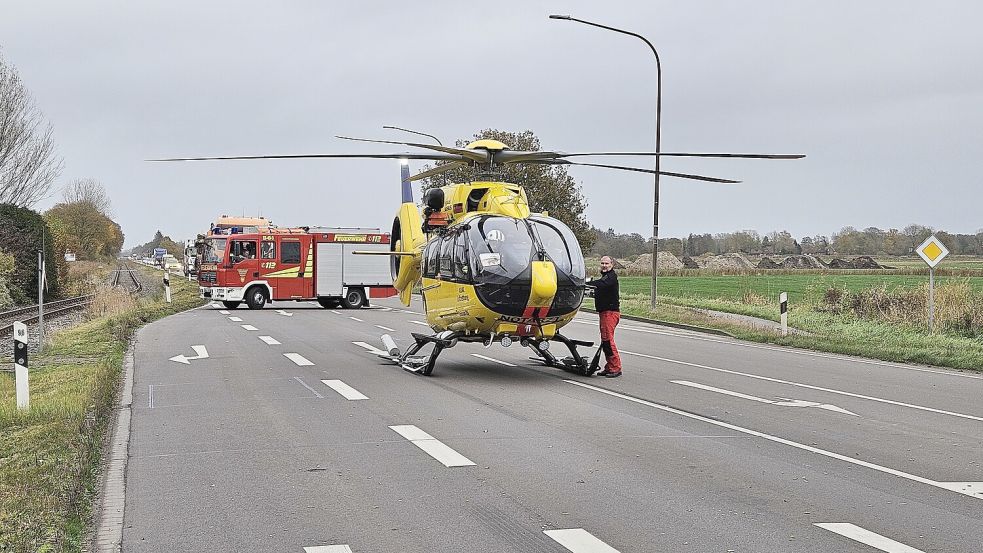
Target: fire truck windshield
214, 250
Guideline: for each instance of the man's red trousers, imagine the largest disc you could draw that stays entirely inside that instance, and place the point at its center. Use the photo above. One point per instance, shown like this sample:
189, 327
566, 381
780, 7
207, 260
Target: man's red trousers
609, 320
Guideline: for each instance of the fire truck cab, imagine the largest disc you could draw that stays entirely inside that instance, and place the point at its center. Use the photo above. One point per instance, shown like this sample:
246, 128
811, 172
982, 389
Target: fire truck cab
295, 264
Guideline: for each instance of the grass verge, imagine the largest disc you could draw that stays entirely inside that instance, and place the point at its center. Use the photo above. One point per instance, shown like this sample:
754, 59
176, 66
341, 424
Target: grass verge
50, 455
840, 333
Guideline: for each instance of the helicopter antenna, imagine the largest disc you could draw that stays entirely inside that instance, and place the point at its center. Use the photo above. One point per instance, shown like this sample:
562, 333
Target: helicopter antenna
439, 143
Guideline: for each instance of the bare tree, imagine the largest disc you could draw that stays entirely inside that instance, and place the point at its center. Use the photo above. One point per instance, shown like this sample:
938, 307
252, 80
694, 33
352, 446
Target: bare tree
28, 163
88, 191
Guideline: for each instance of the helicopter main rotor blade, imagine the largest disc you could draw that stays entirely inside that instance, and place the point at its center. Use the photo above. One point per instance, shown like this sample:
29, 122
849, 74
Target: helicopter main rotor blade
427, 157
635, 169
521, 157
481, 156
438, 170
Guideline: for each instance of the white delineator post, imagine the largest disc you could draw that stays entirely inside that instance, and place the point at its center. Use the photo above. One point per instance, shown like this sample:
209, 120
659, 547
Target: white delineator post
20, 363
167, 286
783, 298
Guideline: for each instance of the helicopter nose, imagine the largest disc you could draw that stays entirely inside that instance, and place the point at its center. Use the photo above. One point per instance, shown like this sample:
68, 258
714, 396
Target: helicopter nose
543, 284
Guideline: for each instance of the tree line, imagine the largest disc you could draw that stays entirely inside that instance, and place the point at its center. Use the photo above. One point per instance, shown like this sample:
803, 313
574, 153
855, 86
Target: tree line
848, 241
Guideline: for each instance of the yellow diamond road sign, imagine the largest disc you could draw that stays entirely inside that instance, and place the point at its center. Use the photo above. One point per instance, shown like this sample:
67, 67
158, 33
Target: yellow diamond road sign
932, 251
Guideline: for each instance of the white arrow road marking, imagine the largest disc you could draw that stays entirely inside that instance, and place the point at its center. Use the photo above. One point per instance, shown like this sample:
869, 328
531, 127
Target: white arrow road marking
299, 359
224, 312
249, 327
421, 323
972, 489
479, 356
345, 390
284, 313
372, 349
808, 386
433, 447
579, 540
304, 384
356, 319
270, 340
784, 402
201, 352
867, 537
328, 549
386, 328
235, 319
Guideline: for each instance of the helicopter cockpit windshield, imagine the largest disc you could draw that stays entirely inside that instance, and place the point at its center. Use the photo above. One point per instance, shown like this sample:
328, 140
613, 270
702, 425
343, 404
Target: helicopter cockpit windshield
501, 249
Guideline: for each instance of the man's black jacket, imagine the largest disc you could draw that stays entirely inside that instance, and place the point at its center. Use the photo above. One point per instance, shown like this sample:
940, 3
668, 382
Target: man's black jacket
606, 292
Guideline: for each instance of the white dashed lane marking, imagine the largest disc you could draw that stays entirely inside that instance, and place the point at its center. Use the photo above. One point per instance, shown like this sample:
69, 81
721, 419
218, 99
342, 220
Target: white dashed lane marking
235, 319
249, 327
433, 447
579, 540
344, 389
224, 312
336, 312
269, 340
420, 323
328, 549
479, 356
386, 328
867, 537
355, 319
298, 359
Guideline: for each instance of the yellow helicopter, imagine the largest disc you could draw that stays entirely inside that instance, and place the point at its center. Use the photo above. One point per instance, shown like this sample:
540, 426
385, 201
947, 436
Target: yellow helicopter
488, 268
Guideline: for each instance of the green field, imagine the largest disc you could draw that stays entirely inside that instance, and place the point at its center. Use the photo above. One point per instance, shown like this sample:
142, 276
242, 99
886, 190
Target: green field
804, 287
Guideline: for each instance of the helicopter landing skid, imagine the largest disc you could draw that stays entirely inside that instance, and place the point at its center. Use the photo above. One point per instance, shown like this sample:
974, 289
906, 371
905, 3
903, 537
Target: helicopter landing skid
574, 363
424, 364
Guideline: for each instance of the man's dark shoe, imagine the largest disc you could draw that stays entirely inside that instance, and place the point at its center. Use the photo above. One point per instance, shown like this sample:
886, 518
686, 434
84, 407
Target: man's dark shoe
605, 372
612, 374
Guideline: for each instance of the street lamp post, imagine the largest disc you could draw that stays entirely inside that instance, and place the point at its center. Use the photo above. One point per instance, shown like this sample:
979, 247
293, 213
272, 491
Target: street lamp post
658, 144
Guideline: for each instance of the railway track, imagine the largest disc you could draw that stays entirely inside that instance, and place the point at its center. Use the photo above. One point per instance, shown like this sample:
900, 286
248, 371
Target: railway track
130, 282
52, 309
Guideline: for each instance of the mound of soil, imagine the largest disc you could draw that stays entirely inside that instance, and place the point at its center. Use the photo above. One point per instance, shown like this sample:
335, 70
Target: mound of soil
837, 263
729, 261
689, 263
801, 262
643, 264
866, 262
767, 263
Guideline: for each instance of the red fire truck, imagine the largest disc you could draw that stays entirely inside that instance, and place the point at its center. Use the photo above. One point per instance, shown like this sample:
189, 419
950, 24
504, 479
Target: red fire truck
295, 264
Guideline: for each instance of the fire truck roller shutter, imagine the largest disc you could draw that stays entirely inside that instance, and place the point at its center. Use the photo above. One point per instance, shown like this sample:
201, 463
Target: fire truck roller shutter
330, 268
367, 270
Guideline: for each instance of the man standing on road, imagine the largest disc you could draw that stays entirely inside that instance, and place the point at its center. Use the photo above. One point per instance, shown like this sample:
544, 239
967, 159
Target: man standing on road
606, 300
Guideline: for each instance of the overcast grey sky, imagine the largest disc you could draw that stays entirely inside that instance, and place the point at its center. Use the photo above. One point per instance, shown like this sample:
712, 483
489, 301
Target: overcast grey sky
885, 98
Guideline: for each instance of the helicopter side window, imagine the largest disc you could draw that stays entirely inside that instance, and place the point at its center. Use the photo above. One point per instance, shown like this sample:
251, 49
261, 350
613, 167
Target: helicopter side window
431, 256
446, 253
462, 271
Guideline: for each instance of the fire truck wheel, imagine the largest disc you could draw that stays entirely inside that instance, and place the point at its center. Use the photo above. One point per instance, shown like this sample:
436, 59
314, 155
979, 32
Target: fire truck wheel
256, 297
354, 298
231, 304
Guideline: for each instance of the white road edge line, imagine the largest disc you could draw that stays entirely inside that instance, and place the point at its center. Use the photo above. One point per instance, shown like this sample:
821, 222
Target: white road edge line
249, 327
304, 384
345, 390
298, 359
431, 446
867, 537
386, 328
778, 402
972, 489
579, 540
151, 405
328, 549
269, 340
479, 356
809, 386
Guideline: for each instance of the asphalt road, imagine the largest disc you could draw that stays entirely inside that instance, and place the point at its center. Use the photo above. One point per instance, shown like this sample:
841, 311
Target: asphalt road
706, 444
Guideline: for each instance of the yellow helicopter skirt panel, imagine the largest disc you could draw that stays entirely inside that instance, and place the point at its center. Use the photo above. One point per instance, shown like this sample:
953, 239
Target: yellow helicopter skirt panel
455, 306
